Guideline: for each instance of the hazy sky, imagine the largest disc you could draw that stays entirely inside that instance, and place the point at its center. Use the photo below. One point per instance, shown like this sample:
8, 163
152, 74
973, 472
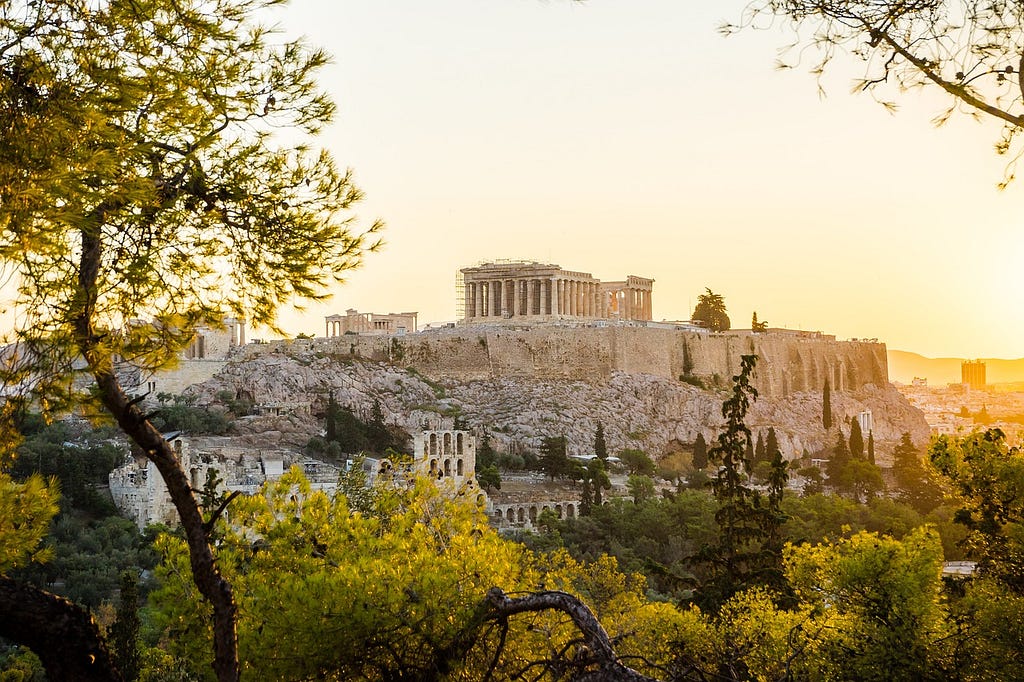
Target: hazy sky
625, 137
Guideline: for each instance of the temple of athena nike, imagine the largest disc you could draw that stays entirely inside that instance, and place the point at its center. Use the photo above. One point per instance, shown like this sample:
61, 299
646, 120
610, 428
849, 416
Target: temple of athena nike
535, 292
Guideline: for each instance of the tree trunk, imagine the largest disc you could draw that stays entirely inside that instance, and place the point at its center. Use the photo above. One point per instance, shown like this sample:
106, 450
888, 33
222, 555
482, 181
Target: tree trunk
214, 588
63, 635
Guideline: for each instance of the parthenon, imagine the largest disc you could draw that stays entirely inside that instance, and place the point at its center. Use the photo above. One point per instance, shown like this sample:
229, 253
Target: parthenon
534, 291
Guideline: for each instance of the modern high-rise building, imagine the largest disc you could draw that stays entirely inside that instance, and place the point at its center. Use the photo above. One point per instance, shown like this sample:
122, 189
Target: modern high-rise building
972, 373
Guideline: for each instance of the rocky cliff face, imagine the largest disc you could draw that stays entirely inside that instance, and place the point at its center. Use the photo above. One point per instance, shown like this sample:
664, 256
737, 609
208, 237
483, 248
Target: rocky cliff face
523, 386
790, 363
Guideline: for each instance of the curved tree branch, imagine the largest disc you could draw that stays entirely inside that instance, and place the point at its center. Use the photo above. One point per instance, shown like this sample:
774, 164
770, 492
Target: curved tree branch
953, 89
599, 662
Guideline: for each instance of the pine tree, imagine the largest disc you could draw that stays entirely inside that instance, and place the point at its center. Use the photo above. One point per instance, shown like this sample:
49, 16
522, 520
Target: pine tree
739, 558
554, 461
485, 454
700, 452
826, 406
600, 446
856, 440
911, 477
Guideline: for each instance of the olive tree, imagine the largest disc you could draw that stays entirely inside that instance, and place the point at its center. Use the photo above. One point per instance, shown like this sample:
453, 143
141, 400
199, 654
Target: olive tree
143, 191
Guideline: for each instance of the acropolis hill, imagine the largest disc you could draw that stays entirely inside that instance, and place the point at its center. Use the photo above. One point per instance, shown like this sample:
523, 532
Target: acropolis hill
527, 383
542, 351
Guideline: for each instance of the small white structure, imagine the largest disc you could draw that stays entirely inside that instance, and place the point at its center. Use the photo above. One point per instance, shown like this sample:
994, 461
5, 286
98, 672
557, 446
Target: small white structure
370, 324
866, 422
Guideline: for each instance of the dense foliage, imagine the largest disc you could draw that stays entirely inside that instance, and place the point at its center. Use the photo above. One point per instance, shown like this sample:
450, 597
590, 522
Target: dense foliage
710, 311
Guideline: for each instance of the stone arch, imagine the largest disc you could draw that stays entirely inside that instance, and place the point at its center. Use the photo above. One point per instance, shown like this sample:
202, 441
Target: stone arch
459, 443
521, 515
433, 466
510, 514
558, 510
570, 510
458, 467
447, 443
432, 445
447, 467
533, 513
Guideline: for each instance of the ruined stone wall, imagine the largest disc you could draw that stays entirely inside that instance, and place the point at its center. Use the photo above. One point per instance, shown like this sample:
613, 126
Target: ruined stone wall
787, 364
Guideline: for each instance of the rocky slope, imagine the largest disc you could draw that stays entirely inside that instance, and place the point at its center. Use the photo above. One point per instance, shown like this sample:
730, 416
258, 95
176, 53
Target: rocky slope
653, 413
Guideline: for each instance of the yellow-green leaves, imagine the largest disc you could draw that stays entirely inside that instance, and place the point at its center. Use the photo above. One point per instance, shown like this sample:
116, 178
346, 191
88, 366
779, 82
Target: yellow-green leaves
25, 513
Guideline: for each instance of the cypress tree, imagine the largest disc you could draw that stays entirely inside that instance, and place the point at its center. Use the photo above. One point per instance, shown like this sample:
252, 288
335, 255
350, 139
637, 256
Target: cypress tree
856, 440
331, 434
760, 453
839, 459
124, 633
826, 406
771, 446
871, 446
700, 452
600, 446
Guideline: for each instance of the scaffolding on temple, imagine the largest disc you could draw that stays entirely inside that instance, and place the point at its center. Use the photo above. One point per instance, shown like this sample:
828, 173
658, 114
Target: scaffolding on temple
460, 295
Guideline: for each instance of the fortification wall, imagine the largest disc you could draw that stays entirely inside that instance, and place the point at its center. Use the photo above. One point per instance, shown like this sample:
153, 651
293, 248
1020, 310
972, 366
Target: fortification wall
787, 364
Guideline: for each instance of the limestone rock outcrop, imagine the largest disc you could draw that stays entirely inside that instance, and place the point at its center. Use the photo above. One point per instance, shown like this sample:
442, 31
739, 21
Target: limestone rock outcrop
563, 383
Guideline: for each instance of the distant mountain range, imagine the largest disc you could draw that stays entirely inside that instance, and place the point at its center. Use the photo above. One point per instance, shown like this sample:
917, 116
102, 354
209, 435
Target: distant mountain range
904, 366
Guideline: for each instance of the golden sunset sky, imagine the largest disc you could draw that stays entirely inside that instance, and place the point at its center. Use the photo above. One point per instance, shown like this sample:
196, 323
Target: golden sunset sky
628, 137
